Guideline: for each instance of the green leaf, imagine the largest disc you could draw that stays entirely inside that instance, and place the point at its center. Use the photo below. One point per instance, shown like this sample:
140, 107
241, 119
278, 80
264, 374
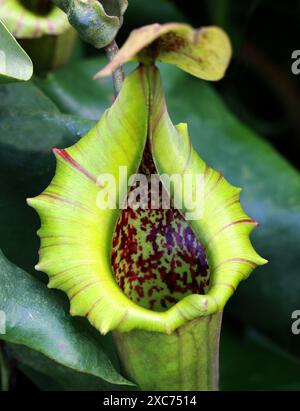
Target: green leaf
48, 375
89, 98
15, 64
39, 319
30, 126
31, 123
271, 185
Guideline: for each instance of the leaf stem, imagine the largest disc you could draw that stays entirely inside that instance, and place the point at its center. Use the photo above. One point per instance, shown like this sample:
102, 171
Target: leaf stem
118, 75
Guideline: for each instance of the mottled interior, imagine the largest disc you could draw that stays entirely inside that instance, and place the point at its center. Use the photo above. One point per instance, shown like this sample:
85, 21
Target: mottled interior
156, 258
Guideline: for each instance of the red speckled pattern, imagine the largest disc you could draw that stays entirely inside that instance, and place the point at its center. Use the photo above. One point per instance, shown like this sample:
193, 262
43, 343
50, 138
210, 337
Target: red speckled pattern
156, 258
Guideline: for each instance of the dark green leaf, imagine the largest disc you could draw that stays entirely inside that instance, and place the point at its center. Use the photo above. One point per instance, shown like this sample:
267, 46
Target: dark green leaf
15, 65
48, 375
39, 319
88, 99
30, 126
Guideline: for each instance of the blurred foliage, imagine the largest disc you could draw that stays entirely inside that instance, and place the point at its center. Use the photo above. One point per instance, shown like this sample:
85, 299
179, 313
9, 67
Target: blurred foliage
39, 319
15, 64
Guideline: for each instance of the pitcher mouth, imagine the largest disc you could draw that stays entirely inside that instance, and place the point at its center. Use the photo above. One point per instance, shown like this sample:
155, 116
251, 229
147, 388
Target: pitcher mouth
77, 238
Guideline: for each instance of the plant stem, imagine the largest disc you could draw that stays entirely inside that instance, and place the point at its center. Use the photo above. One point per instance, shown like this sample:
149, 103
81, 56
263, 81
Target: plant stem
187, 359
118, 75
